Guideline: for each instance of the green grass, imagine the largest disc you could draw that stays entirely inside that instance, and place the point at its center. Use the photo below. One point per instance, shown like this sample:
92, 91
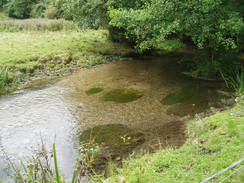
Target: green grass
32, 53
3, 16
214, 143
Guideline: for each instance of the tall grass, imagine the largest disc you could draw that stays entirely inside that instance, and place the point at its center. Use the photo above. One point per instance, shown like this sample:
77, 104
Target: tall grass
40, 25
234, 79
5, 79
37, 169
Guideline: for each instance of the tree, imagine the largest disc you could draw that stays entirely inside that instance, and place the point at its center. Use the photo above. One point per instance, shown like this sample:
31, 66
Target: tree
210, 24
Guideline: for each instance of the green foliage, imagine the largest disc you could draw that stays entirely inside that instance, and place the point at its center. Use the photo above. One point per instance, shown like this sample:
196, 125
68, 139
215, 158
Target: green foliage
208, 23
53, 9
19, 8
94, 13
51, 12
234, 79
39, 9
2, 3
5, 79
37, 169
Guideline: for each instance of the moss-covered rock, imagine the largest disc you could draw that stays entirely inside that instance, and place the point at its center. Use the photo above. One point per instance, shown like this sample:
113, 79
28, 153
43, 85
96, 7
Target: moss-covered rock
119, 139
122, 95
192, 100
184, 95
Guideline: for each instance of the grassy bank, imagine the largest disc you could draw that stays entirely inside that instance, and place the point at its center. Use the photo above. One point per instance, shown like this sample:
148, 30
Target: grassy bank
214, 143
31, 53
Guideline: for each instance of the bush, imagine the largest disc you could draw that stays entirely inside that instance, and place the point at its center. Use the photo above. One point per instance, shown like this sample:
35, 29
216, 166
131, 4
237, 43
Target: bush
160, 21
38, 10
51, 12
2, 3
94, 13
19, 8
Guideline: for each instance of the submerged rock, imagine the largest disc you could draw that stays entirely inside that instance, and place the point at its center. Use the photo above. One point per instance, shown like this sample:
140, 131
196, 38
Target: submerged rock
105, 143
93, 91
194, 100
122, 95
119, 139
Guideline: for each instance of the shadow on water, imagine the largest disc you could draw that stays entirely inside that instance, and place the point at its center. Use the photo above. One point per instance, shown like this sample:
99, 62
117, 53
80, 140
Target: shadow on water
161, 96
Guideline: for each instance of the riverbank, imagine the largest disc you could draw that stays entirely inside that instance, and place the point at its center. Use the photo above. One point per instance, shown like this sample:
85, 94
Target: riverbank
53, 50
213, 144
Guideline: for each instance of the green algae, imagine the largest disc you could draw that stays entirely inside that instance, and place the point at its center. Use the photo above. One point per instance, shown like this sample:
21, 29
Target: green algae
122, 95
93, 91
118, 138
192, 100
184, 95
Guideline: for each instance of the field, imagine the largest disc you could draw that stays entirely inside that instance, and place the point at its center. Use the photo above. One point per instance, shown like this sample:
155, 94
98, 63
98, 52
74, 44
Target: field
51, 50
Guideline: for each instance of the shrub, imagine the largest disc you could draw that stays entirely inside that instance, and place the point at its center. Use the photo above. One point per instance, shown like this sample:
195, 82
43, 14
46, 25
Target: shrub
38, 10
2, 3
94, 13
19, 8
51, 12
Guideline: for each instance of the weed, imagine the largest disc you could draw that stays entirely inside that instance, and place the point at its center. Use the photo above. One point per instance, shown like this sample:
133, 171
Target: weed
234, 79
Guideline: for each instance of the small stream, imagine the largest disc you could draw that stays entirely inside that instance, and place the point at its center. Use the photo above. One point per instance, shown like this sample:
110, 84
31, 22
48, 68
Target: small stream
59, 112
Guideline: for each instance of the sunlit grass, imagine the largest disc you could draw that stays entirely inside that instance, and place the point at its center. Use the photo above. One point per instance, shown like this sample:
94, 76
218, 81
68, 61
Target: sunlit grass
55, 52
3, 16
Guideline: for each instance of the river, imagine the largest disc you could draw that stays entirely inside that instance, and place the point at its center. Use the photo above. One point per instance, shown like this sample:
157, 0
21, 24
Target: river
59, 112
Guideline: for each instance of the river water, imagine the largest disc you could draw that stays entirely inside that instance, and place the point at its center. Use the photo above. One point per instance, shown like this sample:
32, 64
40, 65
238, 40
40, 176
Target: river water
58, 112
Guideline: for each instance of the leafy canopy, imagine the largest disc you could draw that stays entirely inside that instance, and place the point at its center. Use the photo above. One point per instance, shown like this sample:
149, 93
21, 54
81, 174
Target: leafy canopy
210, 24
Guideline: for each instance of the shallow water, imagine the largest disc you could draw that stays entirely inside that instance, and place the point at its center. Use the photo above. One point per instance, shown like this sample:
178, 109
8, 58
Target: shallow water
29, 116
61, 111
